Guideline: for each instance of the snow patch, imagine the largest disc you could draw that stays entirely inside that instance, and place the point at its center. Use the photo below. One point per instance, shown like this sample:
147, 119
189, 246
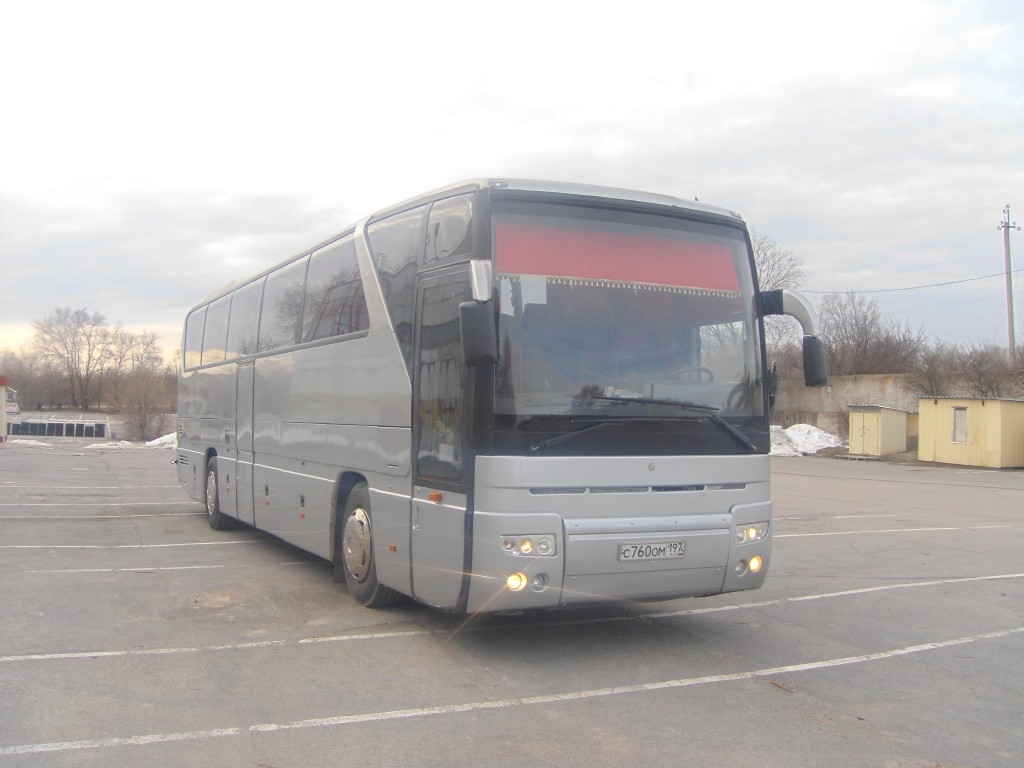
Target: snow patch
802, 440
167, 441
117, 445
33, 443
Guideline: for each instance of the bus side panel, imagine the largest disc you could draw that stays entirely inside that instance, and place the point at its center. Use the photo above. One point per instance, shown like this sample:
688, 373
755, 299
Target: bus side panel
391, 533
292, 494
190, 455
317, 417
438, 547
218, 428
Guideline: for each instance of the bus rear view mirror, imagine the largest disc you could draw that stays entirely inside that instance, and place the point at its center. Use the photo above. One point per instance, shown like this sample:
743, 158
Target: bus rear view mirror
815, 367
479, 333
786, 302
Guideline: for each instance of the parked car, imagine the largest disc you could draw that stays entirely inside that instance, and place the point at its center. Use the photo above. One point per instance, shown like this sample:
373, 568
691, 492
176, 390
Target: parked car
13, 409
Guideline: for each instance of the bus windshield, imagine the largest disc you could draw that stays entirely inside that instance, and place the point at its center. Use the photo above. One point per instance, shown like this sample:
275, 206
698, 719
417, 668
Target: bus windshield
599, 309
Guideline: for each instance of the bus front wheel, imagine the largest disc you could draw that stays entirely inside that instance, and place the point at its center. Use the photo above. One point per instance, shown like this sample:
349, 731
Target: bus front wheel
214, 516
355, 553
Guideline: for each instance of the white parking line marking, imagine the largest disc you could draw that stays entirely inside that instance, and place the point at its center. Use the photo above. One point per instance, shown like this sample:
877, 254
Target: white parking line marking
130, 546
101, 504
66, 746
477, 706
828, 517
150, 569
890, 530
99, 517
556, 623
86, 487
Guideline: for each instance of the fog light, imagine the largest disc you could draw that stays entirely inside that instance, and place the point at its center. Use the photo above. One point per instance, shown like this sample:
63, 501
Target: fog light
539, 582
516, 582
755, 564
741, 567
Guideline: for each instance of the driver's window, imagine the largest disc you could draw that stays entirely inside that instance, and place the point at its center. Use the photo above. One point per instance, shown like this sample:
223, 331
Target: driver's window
440, 381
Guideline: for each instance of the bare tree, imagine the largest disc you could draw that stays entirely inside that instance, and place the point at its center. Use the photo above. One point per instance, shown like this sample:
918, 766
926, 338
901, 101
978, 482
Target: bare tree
987, 372
860, 340
76, 342
778, 267
144, 390
145, 398
934, 373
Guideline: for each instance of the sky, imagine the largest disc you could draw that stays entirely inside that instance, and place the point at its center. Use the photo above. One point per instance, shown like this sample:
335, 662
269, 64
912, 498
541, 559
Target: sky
151, 153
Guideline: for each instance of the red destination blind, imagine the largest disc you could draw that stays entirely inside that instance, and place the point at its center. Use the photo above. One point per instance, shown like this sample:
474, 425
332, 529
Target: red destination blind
529, 249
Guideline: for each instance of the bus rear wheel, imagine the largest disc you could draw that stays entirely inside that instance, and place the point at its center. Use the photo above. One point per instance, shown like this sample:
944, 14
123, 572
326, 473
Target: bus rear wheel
214, 516
354, 553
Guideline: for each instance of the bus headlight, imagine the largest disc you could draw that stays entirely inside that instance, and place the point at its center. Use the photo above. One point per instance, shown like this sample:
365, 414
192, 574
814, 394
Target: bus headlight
539, 545
751, 532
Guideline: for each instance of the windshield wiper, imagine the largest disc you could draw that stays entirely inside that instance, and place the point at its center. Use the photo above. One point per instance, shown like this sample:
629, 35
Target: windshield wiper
706, 410
570, 435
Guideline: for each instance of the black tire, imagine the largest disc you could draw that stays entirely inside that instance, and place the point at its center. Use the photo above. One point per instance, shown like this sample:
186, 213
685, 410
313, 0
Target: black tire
217, 519
353, 553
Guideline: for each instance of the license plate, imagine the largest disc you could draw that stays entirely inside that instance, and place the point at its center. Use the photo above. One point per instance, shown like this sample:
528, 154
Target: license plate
660, 550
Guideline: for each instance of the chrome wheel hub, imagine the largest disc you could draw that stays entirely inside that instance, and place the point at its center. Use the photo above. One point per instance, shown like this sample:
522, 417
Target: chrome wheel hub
356, 544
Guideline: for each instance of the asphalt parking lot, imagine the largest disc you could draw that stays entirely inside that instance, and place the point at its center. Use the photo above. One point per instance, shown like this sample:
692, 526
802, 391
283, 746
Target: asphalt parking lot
890, 632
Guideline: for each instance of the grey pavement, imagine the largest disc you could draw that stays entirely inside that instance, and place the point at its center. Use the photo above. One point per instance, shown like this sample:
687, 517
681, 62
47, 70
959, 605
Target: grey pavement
889, 633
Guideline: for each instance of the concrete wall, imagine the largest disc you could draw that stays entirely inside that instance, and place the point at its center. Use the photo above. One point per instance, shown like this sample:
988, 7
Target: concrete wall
828, 407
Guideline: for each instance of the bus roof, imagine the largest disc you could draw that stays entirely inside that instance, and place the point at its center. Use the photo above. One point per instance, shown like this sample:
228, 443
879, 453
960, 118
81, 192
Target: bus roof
569, 189
560, 188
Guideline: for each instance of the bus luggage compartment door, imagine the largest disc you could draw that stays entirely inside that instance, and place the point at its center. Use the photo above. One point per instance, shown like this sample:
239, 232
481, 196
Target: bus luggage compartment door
645, 557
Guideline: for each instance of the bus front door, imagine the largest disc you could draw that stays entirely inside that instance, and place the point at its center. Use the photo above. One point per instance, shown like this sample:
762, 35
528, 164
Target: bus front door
439, 504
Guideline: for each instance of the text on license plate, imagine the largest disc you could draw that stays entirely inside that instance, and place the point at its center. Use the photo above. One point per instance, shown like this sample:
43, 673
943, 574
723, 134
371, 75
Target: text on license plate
652, 551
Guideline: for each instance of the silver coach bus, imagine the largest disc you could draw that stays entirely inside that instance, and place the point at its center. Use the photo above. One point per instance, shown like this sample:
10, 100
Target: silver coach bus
501, 395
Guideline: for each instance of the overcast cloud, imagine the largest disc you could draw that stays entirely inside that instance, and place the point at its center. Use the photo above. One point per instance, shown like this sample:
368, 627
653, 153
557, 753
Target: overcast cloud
151, 154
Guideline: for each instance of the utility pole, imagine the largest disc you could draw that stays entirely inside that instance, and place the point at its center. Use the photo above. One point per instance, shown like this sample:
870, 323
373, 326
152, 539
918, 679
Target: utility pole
1006, 225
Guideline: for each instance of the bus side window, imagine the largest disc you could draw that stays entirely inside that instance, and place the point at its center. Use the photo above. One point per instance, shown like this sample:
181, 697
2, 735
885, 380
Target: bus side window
194, 338
449, 231
397, 243
216, 334
245, 320
281, 318
335, 302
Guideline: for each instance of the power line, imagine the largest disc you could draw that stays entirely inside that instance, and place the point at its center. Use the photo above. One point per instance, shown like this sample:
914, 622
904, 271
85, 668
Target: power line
919, 287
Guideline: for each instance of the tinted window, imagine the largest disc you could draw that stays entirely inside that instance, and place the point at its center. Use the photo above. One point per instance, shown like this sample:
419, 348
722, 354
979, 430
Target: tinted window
245, 320
335, 303
448, 231
440, 453
216, 334
194, 337
397, 243
281, 318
